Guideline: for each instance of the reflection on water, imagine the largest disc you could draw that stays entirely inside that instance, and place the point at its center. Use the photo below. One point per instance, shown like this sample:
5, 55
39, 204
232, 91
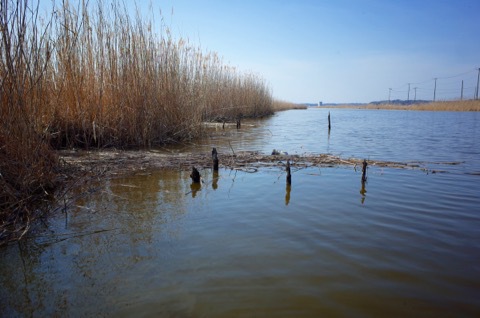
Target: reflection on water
287, 193
215, 178
145, 245
239, 245
363, 192
195, 187
370, 134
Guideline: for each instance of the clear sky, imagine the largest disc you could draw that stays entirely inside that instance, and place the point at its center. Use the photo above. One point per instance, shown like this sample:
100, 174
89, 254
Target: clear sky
338, 50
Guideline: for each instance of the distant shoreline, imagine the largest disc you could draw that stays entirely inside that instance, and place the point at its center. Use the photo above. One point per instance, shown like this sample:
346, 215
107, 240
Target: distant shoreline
463, 106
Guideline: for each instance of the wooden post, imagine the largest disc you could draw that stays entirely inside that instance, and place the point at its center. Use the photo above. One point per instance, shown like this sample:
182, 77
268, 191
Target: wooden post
195, 175
239, 120
364, 171
329, 123
289, 175
215, 159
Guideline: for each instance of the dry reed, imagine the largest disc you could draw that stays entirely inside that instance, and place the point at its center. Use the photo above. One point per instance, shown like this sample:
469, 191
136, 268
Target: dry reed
457, 105
96, 76
281, 105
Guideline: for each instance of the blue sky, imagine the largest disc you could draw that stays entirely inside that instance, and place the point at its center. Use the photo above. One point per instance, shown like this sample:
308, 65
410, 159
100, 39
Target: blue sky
342, 50
337, 50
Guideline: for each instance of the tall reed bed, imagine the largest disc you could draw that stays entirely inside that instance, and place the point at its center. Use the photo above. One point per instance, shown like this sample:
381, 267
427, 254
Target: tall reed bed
94, 75
281, 105
27, 164
114, 81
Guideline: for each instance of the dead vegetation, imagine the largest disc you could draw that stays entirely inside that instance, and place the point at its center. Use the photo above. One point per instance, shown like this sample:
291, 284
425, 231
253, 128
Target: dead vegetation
117, 163
281, 105
457, 105
92, 75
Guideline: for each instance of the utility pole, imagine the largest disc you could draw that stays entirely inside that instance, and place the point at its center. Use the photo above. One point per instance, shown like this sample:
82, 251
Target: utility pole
408, 95
461, 93
415, 88
389, 94
478, 78
435, 89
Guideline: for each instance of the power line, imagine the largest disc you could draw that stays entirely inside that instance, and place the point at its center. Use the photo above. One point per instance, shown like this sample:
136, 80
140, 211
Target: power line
448, 89
458, 75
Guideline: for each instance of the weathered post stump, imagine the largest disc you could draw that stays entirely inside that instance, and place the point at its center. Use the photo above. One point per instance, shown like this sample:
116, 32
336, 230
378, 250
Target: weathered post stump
364, 171
329, 123
289, 175
195, 175
215, 159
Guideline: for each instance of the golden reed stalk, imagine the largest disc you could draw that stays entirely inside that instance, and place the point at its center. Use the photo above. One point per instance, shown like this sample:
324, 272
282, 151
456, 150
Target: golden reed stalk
91, 75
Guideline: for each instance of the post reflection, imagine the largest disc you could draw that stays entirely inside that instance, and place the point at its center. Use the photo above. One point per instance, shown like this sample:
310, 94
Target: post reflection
195, 187
363, 192
287, 193
328, 142
215, 178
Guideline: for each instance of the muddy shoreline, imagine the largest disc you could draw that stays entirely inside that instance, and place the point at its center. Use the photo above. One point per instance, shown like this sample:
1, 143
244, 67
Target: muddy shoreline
119, 162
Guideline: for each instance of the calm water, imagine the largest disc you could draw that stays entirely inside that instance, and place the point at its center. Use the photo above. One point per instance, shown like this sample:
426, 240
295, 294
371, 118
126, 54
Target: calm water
243, 245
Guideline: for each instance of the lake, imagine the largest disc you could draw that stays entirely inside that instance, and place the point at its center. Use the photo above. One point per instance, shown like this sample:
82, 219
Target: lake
244, 245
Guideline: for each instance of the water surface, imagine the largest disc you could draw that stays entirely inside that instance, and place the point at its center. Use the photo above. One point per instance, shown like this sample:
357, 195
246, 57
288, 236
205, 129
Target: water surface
243, 244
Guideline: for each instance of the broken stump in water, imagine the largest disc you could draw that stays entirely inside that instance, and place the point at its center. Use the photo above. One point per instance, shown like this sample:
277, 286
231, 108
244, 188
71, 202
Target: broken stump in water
289, 175
364, 171
215, 159
329, 124
195, 175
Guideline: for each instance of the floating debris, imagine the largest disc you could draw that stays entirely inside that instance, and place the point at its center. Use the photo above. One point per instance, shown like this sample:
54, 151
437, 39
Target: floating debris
115, 162
279, 153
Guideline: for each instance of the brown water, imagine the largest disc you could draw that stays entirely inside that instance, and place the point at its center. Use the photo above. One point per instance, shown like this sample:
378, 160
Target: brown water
243, 244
